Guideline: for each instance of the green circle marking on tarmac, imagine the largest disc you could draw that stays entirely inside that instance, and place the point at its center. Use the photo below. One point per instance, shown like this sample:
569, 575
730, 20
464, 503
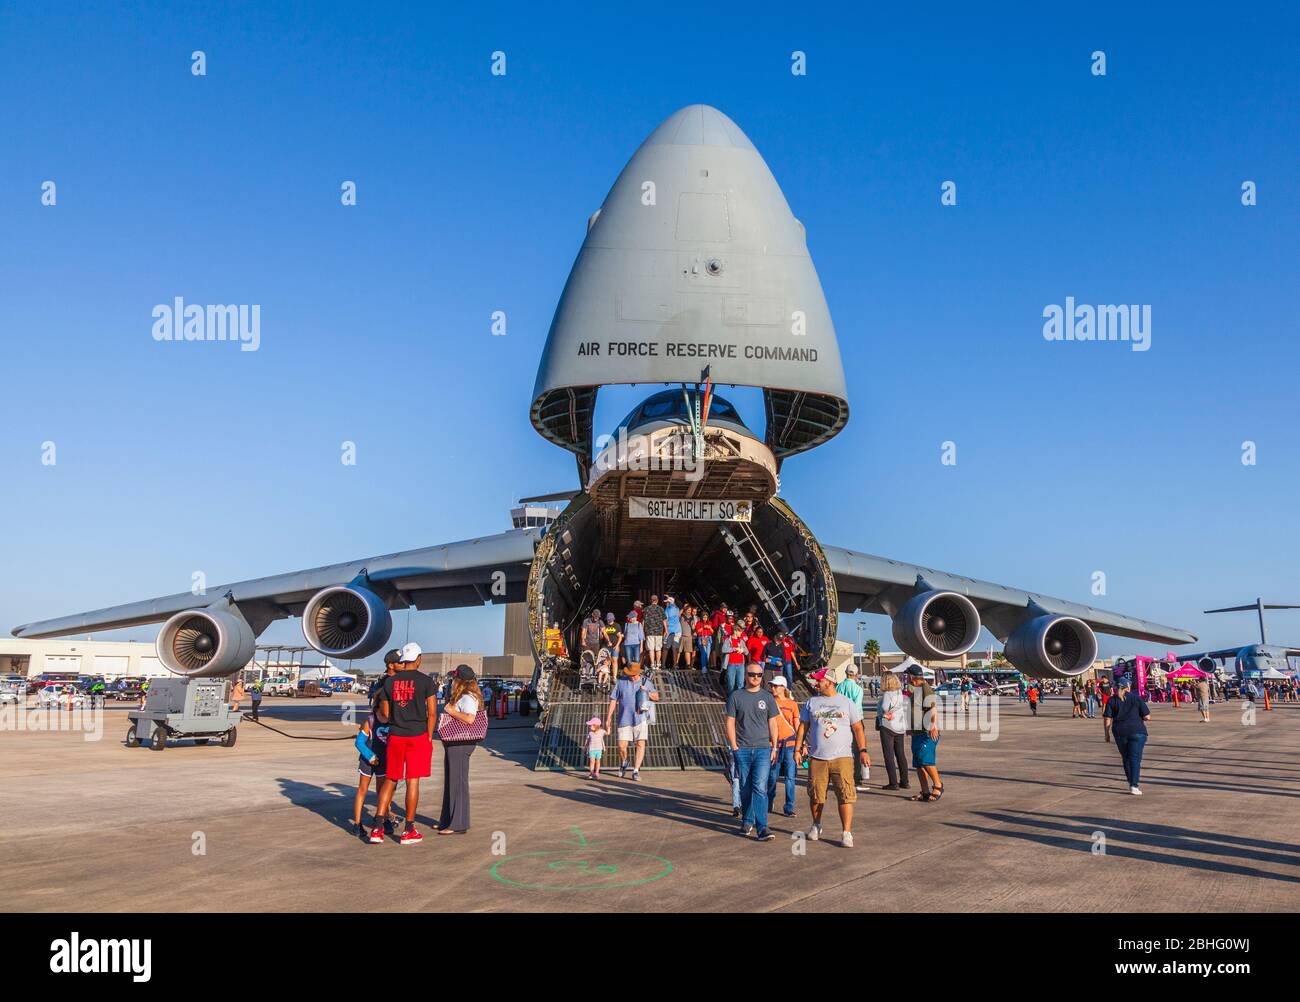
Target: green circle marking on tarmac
598, 869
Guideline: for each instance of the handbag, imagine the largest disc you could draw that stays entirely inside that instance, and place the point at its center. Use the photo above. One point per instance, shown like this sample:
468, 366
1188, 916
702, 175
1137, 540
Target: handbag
453, 731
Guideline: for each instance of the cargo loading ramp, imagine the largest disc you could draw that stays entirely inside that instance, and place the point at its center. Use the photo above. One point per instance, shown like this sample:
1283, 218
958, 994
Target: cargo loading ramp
688, 732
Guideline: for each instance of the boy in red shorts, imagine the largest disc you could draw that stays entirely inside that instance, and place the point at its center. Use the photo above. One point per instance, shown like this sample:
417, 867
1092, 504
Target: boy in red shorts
408, 704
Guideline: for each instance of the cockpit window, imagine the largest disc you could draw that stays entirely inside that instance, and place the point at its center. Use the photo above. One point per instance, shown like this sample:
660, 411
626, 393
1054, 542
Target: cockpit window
671, 405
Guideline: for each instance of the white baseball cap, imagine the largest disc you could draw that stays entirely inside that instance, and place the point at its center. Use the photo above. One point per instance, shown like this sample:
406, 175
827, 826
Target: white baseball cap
777, 679
851, 668
410, 653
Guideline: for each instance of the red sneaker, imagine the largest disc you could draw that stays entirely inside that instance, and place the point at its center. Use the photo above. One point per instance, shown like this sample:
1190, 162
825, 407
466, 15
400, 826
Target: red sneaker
376, 836
411, 837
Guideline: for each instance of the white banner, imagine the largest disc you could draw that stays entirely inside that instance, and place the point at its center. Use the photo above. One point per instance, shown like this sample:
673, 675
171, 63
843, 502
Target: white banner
685, 510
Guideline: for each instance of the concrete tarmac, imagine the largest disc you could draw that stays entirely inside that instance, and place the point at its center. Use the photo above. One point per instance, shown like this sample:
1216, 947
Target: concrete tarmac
1039, 819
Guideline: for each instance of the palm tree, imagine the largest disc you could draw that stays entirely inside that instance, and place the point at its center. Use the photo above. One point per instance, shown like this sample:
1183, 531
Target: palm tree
872, 650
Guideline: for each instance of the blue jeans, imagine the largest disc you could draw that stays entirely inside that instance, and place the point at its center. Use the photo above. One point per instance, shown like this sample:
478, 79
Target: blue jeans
1130, 749
705, 647
735, 677
1092, 704
785, 765
789, 675
633, 652
754, 765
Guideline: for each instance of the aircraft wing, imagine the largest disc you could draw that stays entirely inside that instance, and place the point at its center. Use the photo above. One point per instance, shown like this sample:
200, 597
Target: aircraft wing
467, 573
1227, 653
868, 583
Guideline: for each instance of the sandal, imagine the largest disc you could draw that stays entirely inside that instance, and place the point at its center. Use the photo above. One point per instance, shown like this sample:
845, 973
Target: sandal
920, 798
937, 792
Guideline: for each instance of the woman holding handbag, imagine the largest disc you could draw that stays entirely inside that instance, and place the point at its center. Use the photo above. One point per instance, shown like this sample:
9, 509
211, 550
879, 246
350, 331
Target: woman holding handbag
462, 724
891, 722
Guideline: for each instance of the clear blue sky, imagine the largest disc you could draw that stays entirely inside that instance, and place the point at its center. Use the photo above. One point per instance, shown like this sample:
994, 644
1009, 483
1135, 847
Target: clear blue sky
473, 192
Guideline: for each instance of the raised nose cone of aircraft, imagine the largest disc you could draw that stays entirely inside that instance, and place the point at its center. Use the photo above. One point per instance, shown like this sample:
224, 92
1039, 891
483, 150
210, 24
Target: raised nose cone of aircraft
699, 125
694, 260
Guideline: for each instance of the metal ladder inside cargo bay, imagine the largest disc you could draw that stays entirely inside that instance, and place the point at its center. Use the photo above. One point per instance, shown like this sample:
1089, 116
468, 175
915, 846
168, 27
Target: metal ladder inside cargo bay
761, 571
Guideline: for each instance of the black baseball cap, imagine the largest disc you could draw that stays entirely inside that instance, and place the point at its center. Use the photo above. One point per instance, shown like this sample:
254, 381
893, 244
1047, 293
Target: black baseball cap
465, 673
393, 657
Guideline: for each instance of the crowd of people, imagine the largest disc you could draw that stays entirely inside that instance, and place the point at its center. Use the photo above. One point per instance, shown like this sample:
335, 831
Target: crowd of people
395, 744
668, 636
770, 737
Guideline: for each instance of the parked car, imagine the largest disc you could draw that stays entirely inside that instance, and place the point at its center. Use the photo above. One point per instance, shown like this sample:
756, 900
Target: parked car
11, 693
46, 678
308, 687
61, 695
126, 688
277, 687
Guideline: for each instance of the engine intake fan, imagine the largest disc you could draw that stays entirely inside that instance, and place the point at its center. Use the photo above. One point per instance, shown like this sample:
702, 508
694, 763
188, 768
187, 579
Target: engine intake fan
347, 621
204, 643
1052, 647
937, 624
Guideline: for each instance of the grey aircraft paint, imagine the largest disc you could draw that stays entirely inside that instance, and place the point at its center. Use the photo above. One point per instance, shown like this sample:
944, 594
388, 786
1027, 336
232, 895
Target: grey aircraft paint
694, 260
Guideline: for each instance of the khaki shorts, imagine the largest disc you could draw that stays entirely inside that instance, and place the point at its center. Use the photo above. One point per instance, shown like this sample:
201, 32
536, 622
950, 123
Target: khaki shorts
654, 643
634, 732
823, 773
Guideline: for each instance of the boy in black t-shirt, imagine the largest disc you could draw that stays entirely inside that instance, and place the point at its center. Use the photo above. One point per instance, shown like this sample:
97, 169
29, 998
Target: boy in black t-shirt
407, 702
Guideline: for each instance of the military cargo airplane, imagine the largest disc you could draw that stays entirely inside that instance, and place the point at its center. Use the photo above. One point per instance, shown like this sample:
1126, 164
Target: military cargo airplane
693, 274
1251, 660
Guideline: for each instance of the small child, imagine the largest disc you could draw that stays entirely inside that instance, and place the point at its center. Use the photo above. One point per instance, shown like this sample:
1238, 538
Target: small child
595, 746
372, 750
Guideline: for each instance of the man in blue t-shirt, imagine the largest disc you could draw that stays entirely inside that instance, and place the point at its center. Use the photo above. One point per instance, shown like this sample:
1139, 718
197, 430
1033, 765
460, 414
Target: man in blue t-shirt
673, 638
630, 698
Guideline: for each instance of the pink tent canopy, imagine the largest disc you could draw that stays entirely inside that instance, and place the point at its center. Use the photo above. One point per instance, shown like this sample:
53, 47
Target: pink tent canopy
1187, 673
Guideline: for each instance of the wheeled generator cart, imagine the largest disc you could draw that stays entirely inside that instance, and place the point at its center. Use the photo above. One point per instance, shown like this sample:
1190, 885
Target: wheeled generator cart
179, 708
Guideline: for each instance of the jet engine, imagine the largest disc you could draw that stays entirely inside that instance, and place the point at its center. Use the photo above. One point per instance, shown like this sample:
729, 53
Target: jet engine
347, 621
1051, 646
937, 624
203, 643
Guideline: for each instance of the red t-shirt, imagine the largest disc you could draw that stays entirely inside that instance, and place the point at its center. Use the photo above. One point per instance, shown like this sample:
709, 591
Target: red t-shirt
739, 645
703, 628
717, 619
787, 645
757, 646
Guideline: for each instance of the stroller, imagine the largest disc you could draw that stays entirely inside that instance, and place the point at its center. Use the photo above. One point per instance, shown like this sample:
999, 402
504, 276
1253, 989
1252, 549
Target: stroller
594, 670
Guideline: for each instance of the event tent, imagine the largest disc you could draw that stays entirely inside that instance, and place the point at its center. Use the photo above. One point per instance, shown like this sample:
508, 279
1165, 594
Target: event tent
906, 665
1187, 673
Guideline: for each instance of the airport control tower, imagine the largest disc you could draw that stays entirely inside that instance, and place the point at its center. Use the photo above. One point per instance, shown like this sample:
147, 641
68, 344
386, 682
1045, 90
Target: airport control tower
530, 513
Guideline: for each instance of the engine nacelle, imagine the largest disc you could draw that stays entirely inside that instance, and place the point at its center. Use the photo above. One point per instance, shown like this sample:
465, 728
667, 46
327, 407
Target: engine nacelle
937, 624
1208, 665
347, 621
204, 643
1051, 646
